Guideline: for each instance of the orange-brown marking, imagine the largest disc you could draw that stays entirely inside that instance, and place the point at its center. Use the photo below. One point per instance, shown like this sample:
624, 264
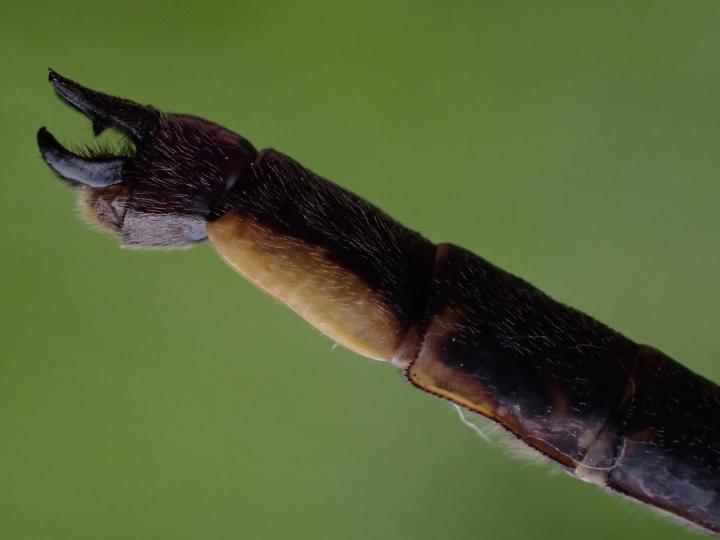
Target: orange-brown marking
331, 298
428, 373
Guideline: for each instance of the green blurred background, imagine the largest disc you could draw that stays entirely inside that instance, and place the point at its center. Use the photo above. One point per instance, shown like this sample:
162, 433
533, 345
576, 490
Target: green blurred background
152, 395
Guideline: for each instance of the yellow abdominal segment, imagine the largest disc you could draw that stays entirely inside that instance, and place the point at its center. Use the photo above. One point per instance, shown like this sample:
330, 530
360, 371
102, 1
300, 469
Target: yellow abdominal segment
331, 298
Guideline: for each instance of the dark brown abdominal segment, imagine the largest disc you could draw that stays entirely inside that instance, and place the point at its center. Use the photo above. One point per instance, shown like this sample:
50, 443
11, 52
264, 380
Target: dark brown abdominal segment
495, 344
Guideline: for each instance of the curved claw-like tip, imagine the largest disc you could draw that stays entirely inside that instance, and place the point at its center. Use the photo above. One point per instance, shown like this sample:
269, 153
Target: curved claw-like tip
96, 173
104, 110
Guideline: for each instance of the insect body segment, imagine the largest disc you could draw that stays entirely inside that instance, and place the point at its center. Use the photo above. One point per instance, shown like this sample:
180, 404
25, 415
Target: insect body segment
304, 277
614, 413
343, 265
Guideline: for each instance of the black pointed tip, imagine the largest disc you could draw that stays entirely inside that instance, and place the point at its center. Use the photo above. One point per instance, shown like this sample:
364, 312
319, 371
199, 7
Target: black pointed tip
47, 144
58, 81
44, 138
54, 77
71, 93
